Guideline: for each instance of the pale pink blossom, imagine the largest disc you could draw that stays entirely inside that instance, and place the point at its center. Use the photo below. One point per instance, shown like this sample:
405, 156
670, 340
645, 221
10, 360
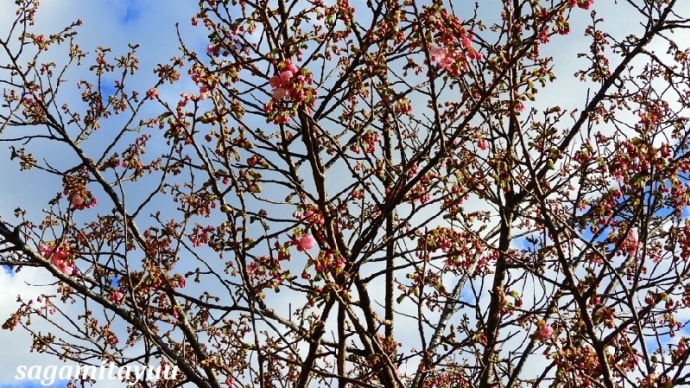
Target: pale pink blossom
280, 93
275, 81
305, 243
203, 92
58, 256
152, 94
442, 57
437, 54
289, 66
81, 202
544, 332
286, 75
631, 243
77, 200
116, 296
281, 82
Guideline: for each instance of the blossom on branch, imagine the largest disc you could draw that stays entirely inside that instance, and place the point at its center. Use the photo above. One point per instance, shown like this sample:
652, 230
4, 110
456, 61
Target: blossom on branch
306, 243
58, 256
545, 331
281, 83
584, 4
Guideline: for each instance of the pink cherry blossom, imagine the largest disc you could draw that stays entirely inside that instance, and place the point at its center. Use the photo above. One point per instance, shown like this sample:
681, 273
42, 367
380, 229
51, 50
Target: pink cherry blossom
77, 200
152, 94
442, 57
116, 296
81, 201
282, 83
473, 54
289, 66
280, 93
286, 75
58, 256
275, 81
544, 332
64, 266
631, 243
213, 49
306, 243
312, 217
584, 4
437, 54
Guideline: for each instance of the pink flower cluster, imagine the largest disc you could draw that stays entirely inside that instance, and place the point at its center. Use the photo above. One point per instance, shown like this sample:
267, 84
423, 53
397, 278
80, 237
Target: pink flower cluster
116, 296
81, 202
310, 216
58, 256
631, 243
328, 262
281, 82
584, 4
201, 235
306, 243
441, 57
152, 94
545, 331
291, 84
447, 58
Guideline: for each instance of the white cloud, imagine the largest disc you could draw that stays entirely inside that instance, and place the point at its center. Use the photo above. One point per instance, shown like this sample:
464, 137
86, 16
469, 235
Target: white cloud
16, 344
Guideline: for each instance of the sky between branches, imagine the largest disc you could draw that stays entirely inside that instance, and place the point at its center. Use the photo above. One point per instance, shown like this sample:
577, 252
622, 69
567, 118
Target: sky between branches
151, 23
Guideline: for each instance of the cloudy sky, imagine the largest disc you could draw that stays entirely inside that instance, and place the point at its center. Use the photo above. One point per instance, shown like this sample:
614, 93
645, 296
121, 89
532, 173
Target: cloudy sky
150, 23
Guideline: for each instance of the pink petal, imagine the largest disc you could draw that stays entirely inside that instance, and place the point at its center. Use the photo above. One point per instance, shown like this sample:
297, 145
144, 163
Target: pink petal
286, 75
280, 93
306, 243
289, 66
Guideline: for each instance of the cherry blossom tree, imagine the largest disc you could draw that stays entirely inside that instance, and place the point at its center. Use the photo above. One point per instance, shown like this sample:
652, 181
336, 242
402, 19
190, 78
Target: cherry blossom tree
390, 193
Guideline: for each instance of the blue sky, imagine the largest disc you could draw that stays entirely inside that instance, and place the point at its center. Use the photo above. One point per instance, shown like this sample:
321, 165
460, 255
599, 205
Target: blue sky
151, 24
